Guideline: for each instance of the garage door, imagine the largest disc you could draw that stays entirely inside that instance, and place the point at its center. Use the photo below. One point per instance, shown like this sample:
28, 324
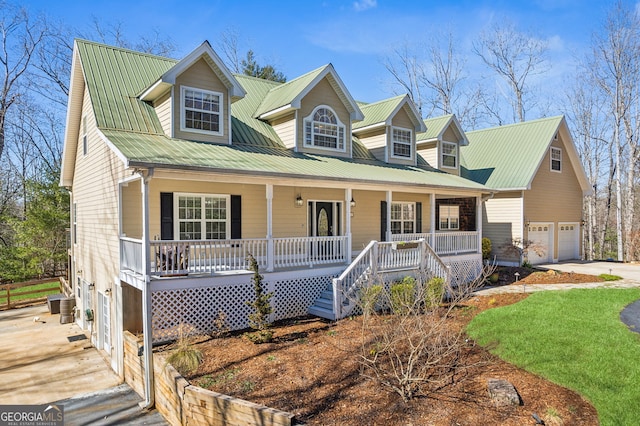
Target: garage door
540, 235
569, 241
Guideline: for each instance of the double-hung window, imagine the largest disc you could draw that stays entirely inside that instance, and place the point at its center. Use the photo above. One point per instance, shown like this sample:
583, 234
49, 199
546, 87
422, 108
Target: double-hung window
449, 217
323, 129
403, 218
449, 155
556, 159
202, 217
201, 111
401, 141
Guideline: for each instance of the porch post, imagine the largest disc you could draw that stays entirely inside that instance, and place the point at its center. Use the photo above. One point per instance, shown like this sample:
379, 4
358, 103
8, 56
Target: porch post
432, 219
146, 292
270, 247
348, 196
389, 200
479, 221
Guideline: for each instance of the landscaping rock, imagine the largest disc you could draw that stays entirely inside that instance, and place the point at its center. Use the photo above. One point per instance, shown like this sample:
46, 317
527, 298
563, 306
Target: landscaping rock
503, 393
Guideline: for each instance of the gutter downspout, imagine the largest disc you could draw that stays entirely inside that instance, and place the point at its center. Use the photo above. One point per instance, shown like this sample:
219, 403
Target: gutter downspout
146, 295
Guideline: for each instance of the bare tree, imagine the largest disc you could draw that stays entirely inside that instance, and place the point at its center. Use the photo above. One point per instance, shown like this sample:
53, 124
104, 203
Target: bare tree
515, 57
407, 70
19, 39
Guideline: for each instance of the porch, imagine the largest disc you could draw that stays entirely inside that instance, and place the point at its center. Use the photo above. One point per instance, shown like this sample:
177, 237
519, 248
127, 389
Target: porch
171, 258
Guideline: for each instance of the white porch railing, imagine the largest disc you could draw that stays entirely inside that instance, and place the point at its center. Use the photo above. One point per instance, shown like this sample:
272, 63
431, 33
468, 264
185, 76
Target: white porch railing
131, 255
383, 257
309, 251
445, 243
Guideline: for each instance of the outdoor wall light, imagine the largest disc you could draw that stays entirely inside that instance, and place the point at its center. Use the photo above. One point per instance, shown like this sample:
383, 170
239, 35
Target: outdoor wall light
353, 202
299, 201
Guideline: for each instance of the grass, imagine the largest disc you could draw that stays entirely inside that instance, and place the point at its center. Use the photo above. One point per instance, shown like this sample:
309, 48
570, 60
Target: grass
608, 277
576, 339
46, 289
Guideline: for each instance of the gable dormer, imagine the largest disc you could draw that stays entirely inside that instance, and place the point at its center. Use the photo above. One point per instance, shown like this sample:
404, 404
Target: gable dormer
312, 113
440, 144
193, 98
389, 129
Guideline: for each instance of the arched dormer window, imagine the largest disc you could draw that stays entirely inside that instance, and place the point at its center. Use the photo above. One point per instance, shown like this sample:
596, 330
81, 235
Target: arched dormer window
323, 129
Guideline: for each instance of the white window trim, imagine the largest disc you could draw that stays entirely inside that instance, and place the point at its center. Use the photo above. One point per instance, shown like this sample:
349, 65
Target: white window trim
455, 145
183, 116
309, 118
402, 221
75, 223
410, 143
449, 207
203, 221
559, 151
85, 141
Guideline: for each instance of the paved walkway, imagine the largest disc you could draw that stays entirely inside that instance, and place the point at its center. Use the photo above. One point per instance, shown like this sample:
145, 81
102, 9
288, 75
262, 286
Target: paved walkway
532, 288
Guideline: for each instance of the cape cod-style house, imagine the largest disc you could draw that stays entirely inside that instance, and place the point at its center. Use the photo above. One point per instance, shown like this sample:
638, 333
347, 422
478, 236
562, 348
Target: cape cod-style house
178, 169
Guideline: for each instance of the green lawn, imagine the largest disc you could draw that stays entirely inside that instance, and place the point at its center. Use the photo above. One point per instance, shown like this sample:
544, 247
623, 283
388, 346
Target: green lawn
53, 286
574, 338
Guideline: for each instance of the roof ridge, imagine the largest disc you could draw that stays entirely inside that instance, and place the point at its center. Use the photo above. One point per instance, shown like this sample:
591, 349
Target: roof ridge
299, 77
365, 104
522, 123
264, 80
124, 49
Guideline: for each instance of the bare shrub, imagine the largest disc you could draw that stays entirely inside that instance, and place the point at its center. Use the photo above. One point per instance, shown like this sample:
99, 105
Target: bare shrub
521, 247
409, 346
186, 358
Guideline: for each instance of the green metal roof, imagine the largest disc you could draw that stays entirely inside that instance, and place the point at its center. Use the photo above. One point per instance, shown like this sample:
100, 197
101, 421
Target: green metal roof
435, 126
159, 150
507, 157
377, 112
285, 93
114, 77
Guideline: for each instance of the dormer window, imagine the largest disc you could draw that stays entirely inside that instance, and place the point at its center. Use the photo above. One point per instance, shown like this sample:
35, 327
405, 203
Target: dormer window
323, 129
201, 111
449, 155
401, 141
556, 159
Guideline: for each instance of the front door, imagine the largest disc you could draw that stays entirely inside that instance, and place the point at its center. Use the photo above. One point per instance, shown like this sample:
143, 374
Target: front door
324, 221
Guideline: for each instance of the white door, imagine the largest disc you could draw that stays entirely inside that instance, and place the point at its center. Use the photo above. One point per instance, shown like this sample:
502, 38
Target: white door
86, 303
104, 325
569, 241
541, 236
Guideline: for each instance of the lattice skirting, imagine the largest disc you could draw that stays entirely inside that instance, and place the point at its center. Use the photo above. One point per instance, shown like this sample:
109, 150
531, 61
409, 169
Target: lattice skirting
464, 269
196, 309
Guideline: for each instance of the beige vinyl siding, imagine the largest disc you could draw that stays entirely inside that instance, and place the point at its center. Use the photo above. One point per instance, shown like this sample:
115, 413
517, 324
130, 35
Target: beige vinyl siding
365, 223
425, 199
376, 142
554, 197
285, 128
254, 202
450, 135
132, 210
324, 94
163, 110
201, 76
502, 222
430, 155
402, 120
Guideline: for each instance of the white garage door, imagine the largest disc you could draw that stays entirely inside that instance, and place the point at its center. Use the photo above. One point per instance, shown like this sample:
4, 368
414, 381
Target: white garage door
569, 241
541, 236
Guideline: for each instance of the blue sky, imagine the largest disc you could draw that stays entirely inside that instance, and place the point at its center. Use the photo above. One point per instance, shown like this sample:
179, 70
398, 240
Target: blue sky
298, 36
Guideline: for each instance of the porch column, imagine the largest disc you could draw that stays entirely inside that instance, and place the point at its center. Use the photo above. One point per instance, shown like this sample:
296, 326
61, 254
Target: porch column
146, 292
479, 221
270, 247
432, 219
389, 200
348, 196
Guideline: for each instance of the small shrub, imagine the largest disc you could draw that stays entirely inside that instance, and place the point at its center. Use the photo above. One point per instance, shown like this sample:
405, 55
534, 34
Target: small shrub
608, 277
526, 264
403, 295
486, 248
434, 292
369, 298
261, 304
186, 358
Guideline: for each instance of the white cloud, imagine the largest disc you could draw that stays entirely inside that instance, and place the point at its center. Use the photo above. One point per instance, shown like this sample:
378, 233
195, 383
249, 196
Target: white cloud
361, 5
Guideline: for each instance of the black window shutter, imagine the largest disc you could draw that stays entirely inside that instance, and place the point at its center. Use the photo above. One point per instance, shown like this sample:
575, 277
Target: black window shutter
418, 217
166, 215
236, 217
383, 221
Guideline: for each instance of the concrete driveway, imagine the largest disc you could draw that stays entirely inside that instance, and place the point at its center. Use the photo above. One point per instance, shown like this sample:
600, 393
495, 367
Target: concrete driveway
628, 271
40, 365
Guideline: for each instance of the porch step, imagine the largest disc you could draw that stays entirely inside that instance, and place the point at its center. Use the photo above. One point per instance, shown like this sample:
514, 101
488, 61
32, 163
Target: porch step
323, 306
